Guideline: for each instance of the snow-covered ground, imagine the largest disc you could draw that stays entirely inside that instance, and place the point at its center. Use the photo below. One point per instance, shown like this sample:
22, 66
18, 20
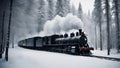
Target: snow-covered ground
25, 58
113, 53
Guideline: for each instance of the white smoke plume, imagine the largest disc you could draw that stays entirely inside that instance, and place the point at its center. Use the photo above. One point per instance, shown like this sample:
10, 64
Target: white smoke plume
62, 25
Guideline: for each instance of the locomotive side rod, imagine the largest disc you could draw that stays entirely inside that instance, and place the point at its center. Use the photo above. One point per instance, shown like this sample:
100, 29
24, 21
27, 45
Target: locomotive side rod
107, 58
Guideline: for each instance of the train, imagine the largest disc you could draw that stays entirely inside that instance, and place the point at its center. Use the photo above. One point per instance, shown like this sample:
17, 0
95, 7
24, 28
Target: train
75, 43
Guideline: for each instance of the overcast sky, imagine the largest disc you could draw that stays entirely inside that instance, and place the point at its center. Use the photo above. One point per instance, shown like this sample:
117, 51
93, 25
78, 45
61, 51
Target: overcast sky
86, 4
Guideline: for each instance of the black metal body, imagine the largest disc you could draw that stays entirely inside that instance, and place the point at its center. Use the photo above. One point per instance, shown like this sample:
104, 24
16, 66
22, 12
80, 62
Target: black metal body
59, 43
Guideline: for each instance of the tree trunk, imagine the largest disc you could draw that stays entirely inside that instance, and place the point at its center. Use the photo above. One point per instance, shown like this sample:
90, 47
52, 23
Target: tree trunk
117, 24
9, 28
108, 26
100, 23
101, 48
2, 45
13, 41
6, 53
96, 37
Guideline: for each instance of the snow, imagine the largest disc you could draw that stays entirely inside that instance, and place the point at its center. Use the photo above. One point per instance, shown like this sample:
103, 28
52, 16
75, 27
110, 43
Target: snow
25, 58
113, 53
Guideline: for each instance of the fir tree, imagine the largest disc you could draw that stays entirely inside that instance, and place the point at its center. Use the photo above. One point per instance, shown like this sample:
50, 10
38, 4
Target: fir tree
62, 7
80, 12
98, 18
73, 10
116, 9
41, 15
51, 9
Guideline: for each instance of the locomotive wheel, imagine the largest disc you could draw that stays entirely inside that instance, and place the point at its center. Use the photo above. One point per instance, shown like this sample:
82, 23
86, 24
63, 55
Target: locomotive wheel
86, 53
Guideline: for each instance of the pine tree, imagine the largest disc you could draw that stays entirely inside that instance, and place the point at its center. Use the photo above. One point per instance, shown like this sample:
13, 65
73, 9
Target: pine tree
98, 18
94, 20
62, 7
59, 6
66, 7
73, 10
41, 15
80, 12
51, 9
119, 10
116, 4
119, 22
107, 12
9, 30
1, 28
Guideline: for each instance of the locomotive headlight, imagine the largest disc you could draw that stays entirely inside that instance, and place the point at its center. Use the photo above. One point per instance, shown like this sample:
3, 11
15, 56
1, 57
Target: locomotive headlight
85, 34
85, 39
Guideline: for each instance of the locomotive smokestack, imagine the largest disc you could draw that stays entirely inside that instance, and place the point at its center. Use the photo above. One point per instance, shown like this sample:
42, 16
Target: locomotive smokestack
72, 35
77, 34
80, 31
65, 35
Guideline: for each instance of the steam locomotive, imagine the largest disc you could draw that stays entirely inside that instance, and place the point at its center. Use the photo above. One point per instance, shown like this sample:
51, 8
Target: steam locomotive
76, 43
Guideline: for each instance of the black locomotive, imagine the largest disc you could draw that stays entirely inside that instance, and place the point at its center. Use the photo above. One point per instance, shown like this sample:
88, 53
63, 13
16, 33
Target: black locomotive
76, 43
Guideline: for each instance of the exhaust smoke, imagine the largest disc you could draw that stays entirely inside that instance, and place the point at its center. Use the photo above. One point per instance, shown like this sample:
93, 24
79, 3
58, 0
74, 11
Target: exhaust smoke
60, 25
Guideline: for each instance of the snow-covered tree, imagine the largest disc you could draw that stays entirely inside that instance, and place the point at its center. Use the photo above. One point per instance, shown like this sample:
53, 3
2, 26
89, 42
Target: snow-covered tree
80, 12
116, 12
73, 9
98, 18
2, 17
41, 15
51, 9
62, 7
107, 14
59, 8
66, 7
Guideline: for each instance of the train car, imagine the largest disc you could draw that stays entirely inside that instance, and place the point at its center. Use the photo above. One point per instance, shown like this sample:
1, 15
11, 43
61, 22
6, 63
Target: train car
38, 42
32, 43
76, 43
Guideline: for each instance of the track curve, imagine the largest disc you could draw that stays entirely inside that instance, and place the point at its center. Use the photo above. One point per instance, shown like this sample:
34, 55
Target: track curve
107, 58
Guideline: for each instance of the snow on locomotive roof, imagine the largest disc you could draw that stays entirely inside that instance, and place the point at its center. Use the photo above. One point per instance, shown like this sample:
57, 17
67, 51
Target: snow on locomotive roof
75, 37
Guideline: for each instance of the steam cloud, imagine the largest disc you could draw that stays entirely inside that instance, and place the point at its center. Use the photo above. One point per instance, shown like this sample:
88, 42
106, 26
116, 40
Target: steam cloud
61, 25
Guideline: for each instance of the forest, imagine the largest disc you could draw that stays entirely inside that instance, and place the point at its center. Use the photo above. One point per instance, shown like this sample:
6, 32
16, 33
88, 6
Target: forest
20, 19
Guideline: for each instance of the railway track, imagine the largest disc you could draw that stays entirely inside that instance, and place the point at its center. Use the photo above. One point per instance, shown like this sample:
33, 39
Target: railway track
107, 58
95, 56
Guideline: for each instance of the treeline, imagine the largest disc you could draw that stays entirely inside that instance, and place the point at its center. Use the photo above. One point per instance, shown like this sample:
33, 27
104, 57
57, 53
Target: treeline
106, 15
